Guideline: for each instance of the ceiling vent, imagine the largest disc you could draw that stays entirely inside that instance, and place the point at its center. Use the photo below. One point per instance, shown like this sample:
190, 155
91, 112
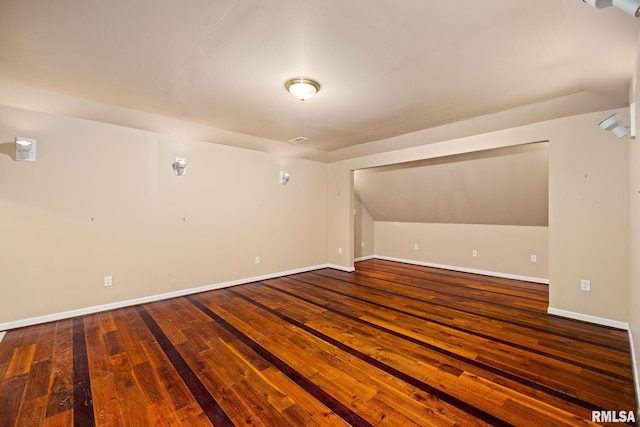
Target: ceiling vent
298, 139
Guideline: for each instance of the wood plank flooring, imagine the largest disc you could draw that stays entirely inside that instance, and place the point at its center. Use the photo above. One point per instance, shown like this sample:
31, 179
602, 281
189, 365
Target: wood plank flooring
389, 345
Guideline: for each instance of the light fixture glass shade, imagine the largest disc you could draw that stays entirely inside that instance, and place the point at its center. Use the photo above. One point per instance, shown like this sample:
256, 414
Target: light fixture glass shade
26, 149
620, 131
302, 88
283, 178
24, 145
179, 166
632, 7
614, 124
610, 122
599, 3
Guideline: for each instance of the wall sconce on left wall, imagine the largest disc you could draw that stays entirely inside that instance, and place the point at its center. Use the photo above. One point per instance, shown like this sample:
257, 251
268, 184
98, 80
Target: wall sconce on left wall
25, 149
180, 166
283, 178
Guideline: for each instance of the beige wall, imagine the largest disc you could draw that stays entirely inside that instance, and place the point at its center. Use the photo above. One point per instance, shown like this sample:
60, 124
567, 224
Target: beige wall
634, 236
634, 295
501, 249
103, 200
364, 231
588, 217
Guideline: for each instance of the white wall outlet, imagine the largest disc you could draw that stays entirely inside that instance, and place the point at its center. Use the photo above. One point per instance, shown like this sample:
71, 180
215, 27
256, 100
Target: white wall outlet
339, 251
257, 260
108, 280
474, 253
362, 245
416, 246
585, 285
534, 258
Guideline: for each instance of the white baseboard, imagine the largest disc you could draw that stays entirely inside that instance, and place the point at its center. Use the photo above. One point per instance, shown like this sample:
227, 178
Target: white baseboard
364, 258
342, 268
466, 270
634, 366
2, 335
95, 309
587, 318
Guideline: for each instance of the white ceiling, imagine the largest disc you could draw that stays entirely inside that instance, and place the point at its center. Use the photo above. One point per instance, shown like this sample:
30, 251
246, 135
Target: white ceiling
387, 67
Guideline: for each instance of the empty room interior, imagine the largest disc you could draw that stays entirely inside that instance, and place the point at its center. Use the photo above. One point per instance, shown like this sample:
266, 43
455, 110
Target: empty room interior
241, 212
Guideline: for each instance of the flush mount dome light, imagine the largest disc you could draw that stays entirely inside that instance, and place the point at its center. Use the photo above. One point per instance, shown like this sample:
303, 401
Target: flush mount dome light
302, 88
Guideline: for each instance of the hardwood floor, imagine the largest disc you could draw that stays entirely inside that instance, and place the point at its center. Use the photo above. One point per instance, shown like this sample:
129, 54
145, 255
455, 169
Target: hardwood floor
389, 345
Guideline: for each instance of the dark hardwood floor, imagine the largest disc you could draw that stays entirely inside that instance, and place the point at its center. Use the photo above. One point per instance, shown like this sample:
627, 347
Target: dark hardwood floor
389, 345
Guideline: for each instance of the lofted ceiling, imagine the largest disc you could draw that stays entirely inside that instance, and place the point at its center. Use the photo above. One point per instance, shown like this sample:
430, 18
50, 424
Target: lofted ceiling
386, 67
505, 186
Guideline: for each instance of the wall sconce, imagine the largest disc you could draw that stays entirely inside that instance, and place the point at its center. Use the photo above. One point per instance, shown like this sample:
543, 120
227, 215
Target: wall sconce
614, 124
284, 178
632, 7
25, 149
179, 166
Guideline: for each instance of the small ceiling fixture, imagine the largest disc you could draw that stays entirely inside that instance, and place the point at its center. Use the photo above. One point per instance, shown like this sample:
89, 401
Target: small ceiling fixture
632, 7
298, 139
302, 88
614, 124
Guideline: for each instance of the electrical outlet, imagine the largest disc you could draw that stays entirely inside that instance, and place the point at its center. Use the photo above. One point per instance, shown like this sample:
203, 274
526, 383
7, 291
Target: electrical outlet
362, 244
339, 251
474, 253
534, 258
108, 280
585, 285
416, 246
257, 260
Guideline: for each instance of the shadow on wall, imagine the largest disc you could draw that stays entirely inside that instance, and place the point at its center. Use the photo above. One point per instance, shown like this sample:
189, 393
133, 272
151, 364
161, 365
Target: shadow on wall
8, 149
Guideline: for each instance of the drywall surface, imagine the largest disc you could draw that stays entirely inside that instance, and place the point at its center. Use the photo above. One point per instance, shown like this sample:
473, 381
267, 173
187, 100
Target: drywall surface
588, 206
364, 237
103, 200
497, 248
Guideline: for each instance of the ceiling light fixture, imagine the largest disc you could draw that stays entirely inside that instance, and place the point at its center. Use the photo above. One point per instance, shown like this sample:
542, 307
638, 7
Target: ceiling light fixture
302, 88
632, 7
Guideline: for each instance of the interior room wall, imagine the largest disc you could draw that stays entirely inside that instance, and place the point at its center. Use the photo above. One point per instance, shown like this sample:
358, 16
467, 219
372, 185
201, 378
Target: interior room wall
102, 200
589, 218
634, 295
501, 250
364, 246
634, 235
588, 205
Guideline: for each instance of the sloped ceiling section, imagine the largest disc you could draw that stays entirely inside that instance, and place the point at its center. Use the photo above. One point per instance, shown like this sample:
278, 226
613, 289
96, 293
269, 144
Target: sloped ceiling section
506, 186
